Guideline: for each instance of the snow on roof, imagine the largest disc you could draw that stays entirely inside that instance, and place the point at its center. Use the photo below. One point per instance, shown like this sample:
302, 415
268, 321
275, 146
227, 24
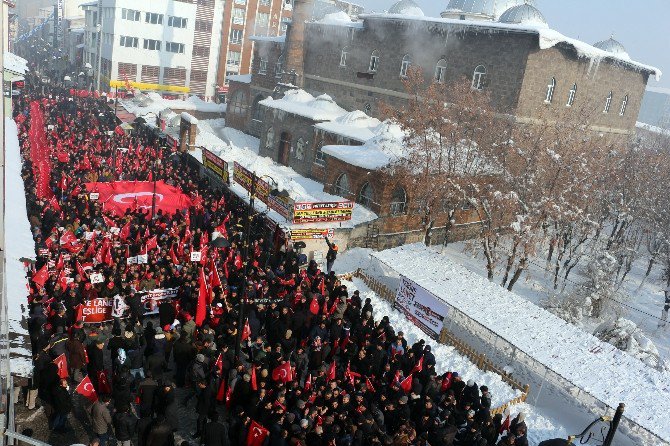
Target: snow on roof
243, 78
340, 18
385, 147
610, 375
548, 38
299, 102
189, 118
152, 102
355, 125
15, 63
276, 39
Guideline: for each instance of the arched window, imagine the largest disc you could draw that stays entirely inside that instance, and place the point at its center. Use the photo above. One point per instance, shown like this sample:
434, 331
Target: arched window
342, 185
572, 95
279, 66
239, 103
319, 157
608, 103
300, 149
624, 104
398, 201
343, 56
366, 195
257, 110
550, 91
270, 138
441, 71
263, 66
479, 77
374, 61
404, 66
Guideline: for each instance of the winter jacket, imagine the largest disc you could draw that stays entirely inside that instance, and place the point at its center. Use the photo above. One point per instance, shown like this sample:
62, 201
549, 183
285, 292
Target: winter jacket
216, 434
101, 419
125, 424
61, 399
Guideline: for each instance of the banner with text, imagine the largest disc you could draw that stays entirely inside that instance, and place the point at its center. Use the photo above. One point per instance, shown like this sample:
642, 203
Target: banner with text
421, 307
103, 310
311, 234
320, 212
215, 164
243, 176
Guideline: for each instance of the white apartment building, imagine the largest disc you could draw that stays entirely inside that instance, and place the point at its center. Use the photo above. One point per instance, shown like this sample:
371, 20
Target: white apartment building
161, 44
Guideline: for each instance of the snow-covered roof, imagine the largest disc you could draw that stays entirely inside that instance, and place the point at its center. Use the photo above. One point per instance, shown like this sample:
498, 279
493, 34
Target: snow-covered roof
189, 118
276, 39
299, 102
340, 18
243, 78
153, 102
596, 367
481, 9
406, 7
612, 46
384, 148
354, 125
548, 38
15, 63
523, 14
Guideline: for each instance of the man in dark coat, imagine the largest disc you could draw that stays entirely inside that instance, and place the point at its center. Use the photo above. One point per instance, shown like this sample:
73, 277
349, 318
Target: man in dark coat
216, 432
125, 424
204, 406
160, 433
62, 405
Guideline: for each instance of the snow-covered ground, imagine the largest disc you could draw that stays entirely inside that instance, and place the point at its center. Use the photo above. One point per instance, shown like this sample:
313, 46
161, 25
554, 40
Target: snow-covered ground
18, 243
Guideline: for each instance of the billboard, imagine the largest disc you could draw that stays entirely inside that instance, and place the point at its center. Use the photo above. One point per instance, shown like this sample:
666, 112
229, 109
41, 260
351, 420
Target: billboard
216, 165
421, 307
311, 234
320, 212
282, 205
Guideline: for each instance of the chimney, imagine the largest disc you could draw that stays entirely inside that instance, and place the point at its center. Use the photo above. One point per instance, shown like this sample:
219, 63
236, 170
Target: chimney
295, 42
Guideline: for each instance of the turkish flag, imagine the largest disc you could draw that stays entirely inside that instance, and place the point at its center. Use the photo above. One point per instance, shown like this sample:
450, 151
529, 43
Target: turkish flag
505, 424
246, 331
120, 195
308, 382
314, 306
152, 243
80, 270
256, 435
254, 382
369, 385
216, 279
282, 373
219, 364
54, 204
103, 382
446, 382
173, 256
331, 372
419, 366
125, 232
201, 310
86, 389
41, 276
61, 363
222, 390
79, 313
406, 384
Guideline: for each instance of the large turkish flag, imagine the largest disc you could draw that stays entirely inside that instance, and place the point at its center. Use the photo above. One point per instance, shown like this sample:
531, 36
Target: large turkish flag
256, 434
118, 196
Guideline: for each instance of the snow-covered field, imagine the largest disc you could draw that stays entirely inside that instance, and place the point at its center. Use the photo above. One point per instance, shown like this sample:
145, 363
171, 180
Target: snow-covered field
19, 243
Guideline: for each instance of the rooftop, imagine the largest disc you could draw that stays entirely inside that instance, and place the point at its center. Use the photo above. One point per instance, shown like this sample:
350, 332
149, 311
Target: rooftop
354, 125
301, 103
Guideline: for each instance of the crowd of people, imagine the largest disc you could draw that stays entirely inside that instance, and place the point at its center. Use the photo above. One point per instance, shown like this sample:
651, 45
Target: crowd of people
261, 349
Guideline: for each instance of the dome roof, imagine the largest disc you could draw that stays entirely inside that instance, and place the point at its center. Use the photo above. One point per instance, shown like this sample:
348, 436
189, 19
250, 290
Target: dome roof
523, 14
406, 7
479, 9
612, 46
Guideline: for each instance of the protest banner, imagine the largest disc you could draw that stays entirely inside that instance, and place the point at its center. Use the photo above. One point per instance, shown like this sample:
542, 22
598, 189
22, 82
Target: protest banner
311, 234
421, 307
103, 310
244, 177
322, 212
216, 165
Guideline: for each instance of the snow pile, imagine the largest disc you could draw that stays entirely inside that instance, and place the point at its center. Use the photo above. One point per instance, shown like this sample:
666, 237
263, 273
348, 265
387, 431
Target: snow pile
336, 18
354, 125
189, 118
152, 102
18, 243
625, 335
301, 103
14, 63
242, 78
597, 368
233, 145
384, 148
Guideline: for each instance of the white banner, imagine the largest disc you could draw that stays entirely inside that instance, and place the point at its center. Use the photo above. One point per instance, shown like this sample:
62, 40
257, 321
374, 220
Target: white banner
421, 307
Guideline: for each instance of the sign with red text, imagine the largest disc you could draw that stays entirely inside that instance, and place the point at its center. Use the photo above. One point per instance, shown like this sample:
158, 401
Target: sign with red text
218, 166
102, 310
322, 212
311, 234
421, 307
244, 177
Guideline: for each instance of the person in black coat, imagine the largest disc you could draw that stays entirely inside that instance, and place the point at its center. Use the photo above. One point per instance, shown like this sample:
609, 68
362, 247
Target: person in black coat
62, 405
96, 362
125, 424
160, 433
204, 406
216, 432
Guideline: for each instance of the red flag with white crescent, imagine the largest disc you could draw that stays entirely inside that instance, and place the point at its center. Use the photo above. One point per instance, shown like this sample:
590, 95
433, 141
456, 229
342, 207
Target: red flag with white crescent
282, 373
256, 435
86, 389
61, 363
246, 331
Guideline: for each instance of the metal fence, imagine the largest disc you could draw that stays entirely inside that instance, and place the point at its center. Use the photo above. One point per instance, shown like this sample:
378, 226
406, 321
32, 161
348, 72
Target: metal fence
490, 352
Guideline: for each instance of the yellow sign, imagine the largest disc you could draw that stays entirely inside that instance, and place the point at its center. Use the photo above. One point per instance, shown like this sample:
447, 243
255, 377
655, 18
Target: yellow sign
143, 86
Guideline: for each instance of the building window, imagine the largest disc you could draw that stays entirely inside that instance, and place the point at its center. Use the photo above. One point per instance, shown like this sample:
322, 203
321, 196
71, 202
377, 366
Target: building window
263, 66
366, 195
177, 22
550, 91
238, 16
572, 95
130, 14
198, 76
279, 66
624, 104
200, 51
608, 103
270, 138
257, 110
153, 18
404, 65
374, 62
239, 103
129, 42
262, 20
233, 58
343, 56
265, 2
398, 201
203, 26
441, 71
174, 47
479, 77
319, 156
342, 186
151, 44
236, 36
300, 149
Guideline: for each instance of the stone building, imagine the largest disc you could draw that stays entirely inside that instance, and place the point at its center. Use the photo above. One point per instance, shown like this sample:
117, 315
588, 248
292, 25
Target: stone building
351, 65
